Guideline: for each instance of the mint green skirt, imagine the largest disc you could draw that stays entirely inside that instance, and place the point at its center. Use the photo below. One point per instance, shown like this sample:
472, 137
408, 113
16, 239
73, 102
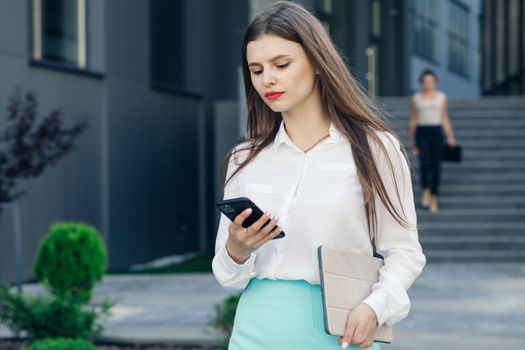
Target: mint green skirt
282, 314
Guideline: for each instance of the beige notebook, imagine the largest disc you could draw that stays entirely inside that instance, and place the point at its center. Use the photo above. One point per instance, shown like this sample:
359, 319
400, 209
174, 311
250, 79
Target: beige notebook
346, 280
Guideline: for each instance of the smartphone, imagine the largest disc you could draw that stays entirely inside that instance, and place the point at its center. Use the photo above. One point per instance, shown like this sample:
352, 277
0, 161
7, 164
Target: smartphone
234, 206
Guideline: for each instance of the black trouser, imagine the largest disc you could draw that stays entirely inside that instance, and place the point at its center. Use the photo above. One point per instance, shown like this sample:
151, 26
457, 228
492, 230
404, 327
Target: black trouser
429, 141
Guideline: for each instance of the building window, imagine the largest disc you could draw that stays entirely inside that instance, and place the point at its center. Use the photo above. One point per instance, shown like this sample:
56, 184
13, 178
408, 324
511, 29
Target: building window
458, 42
59, 32
424, 28
167, 44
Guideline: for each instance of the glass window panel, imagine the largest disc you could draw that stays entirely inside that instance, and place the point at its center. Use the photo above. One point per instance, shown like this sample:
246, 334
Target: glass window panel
425, 27
60, 31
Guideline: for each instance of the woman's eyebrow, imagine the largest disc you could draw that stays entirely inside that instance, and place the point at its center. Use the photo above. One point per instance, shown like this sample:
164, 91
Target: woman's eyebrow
271, 60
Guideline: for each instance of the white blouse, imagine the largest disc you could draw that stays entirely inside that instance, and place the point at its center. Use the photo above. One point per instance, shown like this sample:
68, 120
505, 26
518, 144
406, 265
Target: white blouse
319, 201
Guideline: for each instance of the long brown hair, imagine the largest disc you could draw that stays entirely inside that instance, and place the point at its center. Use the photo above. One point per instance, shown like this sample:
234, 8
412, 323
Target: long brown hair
346, 104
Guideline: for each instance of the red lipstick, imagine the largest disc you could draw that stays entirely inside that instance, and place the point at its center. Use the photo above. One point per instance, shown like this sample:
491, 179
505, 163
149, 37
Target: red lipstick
273, 95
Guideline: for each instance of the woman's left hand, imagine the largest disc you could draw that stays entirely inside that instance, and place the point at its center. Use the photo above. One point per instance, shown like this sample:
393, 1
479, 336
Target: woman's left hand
361, 327
451, 141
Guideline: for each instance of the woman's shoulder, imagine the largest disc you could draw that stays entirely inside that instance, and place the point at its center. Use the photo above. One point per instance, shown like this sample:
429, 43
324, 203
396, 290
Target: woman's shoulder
241, 151
441, 94
391, 154
237, 155
384, 141
387, 138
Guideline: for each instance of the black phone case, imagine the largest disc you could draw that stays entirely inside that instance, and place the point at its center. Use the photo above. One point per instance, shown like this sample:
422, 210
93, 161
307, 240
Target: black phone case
234, 206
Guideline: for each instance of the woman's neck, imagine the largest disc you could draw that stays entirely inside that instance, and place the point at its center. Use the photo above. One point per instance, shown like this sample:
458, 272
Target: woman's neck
307, 122
428, 92
306, 131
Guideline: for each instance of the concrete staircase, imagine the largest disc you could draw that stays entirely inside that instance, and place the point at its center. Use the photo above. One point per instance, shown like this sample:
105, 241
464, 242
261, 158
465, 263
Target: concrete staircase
482, 201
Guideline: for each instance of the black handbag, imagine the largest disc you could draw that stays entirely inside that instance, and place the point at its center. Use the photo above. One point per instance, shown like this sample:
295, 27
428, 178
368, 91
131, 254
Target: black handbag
451, 153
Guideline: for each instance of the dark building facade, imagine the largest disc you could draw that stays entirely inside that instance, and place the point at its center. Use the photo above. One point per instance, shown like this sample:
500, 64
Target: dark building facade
503, 47
159, 81
388, 43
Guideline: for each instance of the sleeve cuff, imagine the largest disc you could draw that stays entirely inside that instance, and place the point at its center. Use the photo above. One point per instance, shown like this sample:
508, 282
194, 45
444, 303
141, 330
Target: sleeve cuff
378, 304
235, 267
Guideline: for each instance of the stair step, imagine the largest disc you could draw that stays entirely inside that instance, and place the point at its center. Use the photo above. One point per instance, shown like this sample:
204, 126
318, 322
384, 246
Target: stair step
481, 134
480, 199
446, 191
488, 164
489, 144
467, 172
520, 226
404, 114
480, 245
470, 255
475, 212
513, 188
499, 123
447, 180
478, 156
479, 205
499, 177
422, 219
469, 103
468, 124
472, 218
470, 156
469, 231
473, 239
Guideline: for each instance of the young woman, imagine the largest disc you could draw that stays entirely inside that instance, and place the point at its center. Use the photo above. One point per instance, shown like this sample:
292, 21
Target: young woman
327, 169
428, 119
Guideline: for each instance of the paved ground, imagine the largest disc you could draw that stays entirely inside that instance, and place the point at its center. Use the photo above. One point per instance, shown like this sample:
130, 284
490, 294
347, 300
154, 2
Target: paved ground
453, 307
465, 307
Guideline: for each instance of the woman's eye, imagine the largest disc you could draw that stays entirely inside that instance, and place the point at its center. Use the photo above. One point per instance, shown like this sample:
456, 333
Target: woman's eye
282, 66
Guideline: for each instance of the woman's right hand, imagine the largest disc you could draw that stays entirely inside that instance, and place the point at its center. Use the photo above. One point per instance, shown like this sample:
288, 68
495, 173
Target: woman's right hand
242, 242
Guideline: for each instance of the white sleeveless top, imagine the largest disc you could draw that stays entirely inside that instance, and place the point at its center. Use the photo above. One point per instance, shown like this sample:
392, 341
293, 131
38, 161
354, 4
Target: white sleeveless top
429, 111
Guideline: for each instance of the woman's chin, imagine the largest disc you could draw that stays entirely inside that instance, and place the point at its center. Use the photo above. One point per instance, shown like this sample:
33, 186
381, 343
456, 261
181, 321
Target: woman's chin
280, 106
277, 109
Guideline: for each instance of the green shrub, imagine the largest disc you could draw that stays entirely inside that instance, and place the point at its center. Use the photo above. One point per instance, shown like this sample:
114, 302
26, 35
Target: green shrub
61, 344
70, 260
48, 316
224, 317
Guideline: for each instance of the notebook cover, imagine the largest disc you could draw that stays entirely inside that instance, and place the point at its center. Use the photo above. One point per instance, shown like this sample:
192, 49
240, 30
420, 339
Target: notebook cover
346, 280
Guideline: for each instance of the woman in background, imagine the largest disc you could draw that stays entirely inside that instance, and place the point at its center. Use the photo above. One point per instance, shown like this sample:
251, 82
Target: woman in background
428, 120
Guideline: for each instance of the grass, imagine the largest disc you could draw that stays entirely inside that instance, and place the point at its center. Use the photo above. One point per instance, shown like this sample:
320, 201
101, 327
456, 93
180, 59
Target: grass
199, 263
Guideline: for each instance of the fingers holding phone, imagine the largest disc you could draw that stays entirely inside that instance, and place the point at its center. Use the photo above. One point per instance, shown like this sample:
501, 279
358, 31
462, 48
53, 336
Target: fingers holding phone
242, 241
258, 233
250, 227
264, 229
239, 219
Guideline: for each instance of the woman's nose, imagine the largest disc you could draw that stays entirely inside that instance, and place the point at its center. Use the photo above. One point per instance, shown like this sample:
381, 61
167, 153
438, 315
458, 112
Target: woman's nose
268, 78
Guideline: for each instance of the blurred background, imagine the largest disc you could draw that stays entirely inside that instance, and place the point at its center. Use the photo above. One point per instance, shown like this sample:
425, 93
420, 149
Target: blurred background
160, 81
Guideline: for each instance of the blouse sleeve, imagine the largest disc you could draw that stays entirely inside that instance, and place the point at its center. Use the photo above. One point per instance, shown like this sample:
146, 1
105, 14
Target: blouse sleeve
228, 273
404, 259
